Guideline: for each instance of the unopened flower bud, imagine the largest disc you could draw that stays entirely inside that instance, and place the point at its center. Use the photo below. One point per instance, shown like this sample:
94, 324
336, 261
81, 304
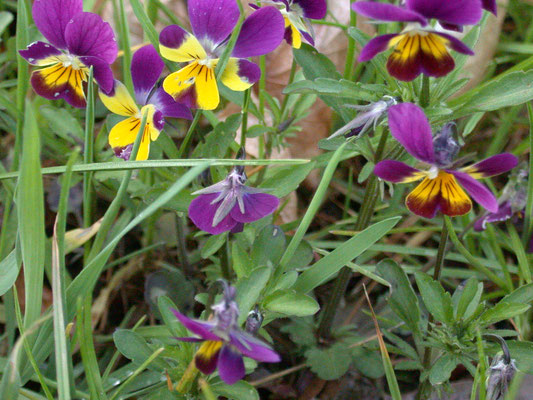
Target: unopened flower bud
254, 321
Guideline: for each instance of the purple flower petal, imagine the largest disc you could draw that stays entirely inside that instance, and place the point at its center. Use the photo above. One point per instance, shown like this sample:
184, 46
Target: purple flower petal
261, 33
387, 12
52, 16
189, 339
455, 44
102, 73
254, 348
168, 106
459, 12
397, 172
146, 67
256, 206
375, 46
59, 82
490, 5
410, 126
479, 192
505, 211
313, 9
202, 213
230, 365
40, 53
492, 166
200, 328
87, 34
213, 20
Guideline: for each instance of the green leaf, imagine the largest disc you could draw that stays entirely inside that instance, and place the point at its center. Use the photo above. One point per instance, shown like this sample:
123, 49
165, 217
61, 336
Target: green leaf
330, 363
351, 91
238, 391
501, 311
523, 295
5, 19
241, 262
269, 245
63, 123
441, 371
212, 245
466, 298
165, 305
402, 297
249, 289
437, 301
9, 270
522, 353
133, 346
368, 362
290, 302
328, 266
285, 180
301, 331
218, 142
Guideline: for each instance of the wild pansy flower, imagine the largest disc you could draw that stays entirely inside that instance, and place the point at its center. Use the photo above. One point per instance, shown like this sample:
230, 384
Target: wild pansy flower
212, 22
297, 14
146, 67
419, 48
228, 205
439, 189
224, 343
371, 114
77, 41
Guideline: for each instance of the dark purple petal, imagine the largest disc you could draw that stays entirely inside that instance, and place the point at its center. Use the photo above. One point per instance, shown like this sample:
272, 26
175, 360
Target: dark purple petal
410, 126
52, 16
492, 166
213, 19
256, 206
189, 339
375, 46
459, 12
40, 53
455, 44
397, 172
146, 67
168, 106
261, 33
307, 36
505, 211
200, 328
88, 35
452, 27
387, 12
237, 228
490, 5
102, 73
313, 9
202, 213
479, 192
230, 365
254, 348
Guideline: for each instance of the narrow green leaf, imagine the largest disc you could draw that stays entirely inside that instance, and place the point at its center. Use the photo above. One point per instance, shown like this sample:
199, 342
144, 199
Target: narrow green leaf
249, 289
522, 295
468, 299
9, 270
442, 369
290, 302
328, 266
437, 301
528, 212
501, 311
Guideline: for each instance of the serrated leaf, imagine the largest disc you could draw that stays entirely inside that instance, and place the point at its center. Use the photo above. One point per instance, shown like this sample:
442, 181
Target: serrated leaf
402, 297
437, 301
441, 371
330, 363
291, 302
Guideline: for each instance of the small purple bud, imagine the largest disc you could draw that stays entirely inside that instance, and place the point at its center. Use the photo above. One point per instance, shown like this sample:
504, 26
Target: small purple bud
123, 152
445, 145
254, 321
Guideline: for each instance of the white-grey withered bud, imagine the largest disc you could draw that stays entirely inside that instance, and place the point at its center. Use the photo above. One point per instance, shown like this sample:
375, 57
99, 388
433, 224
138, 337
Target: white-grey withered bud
254, 321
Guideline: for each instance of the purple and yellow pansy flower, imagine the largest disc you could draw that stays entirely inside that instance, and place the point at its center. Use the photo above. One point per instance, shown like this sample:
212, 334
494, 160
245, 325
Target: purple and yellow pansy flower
146, 67
77, 40
440, 189
297, 14
419, 48
224, 342
212, 23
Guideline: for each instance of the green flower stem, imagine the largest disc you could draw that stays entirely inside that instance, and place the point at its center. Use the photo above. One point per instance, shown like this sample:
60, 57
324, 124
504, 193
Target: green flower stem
424, 92
244, 125
528, 220
262, 86
350, 55
284, 110
88, 156
363, 221
126, 46
471, 259
520, 252
185, 145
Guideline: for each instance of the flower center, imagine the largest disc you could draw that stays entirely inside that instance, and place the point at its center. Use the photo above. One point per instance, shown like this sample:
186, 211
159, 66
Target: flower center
74, 62
433, 172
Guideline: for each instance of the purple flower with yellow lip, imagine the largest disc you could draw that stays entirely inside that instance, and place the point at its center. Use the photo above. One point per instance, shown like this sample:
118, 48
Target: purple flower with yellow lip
212, 23
297, 14
228, 205
146, 67
77, 41
439, 189
419, 48
224, 343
